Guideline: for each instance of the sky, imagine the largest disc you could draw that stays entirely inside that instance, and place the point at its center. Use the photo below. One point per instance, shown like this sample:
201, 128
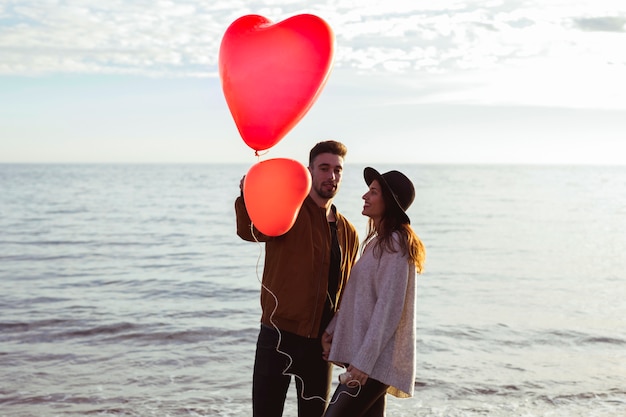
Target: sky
413, 81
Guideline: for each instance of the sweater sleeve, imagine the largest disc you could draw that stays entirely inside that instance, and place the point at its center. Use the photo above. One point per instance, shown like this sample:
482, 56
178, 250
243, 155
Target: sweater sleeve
330, 329
391, 283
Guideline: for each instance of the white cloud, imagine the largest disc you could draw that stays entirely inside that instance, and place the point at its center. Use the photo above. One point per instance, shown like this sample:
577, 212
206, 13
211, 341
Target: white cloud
555, 40
141, 37
177, 36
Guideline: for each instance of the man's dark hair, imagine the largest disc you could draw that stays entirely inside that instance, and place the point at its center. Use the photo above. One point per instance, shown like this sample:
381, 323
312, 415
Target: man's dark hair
328, 146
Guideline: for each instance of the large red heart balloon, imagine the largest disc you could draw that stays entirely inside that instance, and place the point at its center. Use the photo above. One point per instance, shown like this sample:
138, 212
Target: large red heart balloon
272, 73
274, 191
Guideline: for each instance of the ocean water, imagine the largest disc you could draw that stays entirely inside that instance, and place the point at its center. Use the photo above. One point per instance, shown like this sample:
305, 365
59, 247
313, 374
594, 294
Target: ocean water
124, 290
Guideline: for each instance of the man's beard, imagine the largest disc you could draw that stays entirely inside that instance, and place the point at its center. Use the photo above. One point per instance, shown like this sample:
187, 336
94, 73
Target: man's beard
324, 193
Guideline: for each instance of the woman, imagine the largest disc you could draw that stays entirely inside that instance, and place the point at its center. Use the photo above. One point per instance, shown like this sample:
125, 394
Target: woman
373, 333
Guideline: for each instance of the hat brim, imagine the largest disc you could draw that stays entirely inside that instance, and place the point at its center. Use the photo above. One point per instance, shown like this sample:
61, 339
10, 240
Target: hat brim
370, 174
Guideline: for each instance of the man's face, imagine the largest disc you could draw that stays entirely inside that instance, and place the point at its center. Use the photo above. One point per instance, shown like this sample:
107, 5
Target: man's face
326, 173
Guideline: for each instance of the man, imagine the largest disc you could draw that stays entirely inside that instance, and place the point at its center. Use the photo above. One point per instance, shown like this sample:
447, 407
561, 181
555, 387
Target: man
304, 275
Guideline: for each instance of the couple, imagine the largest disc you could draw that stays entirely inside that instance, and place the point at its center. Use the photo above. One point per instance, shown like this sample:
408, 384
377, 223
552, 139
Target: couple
309, 322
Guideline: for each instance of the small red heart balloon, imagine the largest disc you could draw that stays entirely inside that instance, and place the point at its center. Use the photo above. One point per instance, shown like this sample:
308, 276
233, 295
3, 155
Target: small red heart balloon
274, 191
272, 74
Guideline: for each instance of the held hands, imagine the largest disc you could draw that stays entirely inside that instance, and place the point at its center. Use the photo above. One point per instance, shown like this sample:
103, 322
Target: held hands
353, 377
327, 340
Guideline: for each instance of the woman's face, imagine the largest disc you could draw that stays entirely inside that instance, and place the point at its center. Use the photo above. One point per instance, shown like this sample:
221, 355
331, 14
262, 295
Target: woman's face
374, 206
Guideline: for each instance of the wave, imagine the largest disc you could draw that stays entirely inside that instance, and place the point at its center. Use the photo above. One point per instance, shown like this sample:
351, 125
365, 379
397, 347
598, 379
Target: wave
504, 335
604, 340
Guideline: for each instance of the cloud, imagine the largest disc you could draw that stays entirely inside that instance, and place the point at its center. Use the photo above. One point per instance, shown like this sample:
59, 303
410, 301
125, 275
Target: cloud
602, 24
475, 51
181, 37
140, 37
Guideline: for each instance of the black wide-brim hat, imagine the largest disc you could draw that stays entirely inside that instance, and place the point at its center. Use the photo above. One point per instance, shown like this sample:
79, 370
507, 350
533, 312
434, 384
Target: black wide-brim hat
398, 185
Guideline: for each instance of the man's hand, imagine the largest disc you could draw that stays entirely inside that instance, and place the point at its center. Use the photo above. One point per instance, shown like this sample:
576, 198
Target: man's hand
241, 184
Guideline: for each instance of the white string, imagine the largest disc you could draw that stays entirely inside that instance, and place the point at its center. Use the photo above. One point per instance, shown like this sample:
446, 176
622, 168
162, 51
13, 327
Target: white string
350, 384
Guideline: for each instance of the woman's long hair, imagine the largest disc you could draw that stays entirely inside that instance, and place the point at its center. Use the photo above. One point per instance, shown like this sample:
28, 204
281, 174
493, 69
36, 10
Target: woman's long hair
392, 221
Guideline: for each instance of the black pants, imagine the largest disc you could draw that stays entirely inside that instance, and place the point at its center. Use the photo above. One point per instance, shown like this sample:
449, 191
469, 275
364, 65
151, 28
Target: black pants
370, 401
270, 382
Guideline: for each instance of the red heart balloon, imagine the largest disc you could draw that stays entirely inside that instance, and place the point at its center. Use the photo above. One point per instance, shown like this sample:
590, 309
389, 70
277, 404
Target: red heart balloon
274, 191
272, 74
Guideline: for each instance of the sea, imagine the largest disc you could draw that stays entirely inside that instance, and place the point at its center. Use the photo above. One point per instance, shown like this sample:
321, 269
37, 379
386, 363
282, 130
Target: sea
125, 291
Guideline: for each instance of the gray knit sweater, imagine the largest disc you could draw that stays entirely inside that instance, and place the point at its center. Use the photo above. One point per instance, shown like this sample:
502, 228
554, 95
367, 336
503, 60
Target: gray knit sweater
374, 329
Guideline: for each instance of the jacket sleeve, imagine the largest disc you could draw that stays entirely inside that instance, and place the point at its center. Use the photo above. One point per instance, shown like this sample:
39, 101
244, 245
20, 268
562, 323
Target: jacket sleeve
245, 229
352, 253
355, 247
392, 278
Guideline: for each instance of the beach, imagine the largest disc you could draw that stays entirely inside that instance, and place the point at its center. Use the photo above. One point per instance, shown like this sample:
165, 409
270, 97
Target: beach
126, 292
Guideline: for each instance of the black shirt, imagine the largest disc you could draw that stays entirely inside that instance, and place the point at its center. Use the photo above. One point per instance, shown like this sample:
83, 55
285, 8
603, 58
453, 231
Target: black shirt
333, 278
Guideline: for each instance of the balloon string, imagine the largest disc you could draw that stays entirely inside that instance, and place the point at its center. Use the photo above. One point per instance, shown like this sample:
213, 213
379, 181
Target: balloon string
290, 359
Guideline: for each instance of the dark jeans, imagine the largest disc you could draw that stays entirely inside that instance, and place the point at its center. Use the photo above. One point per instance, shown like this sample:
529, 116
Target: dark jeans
370, 401
271, 379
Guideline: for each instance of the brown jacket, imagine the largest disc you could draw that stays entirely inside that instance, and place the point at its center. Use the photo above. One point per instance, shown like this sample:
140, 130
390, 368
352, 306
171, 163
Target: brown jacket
297, 265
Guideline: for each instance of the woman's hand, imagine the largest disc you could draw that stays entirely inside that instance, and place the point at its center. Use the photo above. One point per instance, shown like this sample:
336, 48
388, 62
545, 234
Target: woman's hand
357, 375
